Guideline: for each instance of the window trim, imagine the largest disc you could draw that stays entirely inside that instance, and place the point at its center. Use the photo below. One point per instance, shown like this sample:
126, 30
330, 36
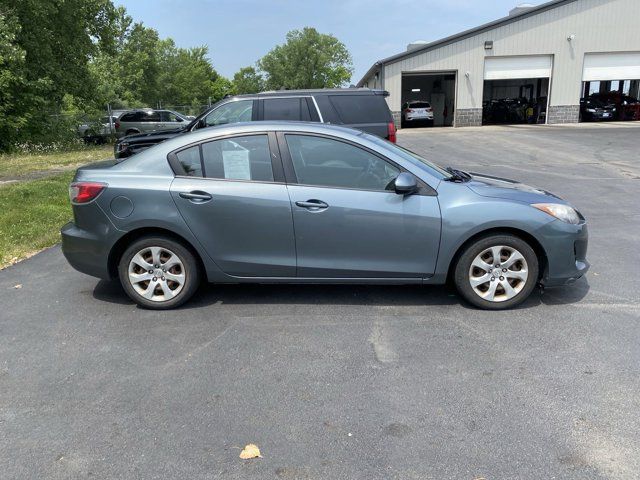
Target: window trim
290, 175
272, 145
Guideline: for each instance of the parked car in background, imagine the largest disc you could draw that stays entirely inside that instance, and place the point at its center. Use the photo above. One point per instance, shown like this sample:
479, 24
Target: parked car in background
361, 108
415, 112
627, 107
99, 131
139, 121
594, 110
292, 202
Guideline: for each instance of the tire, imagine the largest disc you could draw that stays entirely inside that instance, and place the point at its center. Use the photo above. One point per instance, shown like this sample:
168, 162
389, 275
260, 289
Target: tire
172, 286
132, 132
513, 281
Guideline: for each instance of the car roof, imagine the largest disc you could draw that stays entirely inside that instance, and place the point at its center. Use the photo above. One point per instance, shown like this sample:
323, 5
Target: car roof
212, 133
316, 91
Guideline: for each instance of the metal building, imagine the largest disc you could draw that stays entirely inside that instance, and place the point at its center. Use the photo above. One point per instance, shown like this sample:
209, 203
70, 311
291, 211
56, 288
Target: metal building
558, 62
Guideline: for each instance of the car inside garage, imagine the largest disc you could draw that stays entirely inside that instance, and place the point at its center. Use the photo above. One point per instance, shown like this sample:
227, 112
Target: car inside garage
610, 87
516, 89
428, 99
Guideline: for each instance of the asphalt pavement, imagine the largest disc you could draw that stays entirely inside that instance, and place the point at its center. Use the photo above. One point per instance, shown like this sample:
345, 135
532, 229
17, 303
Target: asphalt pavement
345, 382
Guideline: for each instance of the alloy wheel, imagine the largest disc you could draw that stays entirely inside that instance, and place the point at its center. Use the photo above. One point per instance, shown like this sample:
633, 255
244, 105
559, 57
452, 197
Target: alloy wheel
498, 273
156, 273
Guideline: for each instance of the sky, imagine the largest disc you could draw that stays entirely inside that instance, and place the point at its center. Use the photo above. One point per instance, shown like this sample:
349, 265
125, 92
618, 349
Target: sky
239, 32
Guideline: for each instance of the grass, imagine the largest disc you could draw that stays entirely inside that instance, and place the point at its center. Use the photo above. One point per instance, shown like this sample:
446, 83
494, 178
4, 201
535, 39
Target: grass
28, 165
31, 216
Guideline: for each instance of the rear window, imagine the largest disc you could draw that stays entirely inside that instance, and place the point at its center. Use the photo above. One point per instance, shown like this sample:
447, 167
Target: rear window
419, 105
354, 109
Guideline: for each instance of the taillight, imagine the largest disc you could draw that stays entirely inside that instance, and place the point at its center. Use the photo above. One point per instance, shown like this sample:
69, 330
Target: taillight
84, 192
391, 132
117, 125
429, 109
409, 110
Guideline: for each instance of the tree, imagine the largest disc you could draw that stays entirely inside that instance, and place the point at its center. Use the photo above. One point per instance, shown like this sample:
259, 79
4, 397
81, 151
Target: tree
248, 80
58, 39
186, 74
308, 59
45, 47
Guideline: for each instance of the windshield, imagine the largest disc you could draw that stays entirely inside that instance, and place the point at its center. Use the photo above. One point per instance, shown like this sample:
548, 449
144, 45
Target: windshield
409, 155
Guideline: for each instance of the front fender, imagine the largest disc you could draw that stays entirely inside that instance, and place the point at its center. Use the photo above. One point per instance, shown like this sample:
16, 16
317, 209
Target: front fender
466, 214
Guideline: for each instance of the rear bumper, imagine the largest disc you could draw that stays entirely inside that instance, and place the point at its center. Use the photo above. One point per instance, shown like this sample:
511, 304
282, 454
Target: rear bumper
417, 118
85, 252
87, 242
566, 249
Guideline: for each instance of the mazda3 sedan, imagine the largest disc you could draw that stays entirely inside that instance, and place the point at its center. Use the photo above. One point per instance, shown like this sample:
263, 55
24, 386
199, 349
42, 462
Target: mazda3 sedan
293, 202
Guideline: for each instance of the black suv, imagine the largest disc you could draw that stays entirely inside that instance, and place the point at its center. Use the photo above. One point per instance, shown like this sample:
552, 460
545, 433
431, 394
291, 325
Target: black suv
360, 108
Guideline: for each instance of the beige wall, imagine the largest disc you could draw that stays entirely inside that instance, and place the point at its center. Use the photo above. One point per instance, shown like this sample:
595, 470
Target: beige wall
599, 26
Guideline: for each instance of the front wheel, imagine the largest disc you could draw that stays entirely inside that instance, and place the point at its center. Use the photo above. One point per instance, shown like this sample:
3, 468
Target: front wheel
497, 272
158, 273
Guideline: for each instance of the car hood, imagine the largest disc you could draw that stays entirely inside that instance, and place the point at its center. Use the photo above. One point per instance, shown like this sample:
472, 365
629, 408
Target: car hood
497, 187
159, 135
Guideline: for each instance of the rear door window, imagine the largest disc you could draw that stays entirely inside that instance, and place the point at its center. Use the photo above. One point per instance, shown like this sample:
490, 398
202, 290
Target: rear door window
150, 117
284, 109
238, 158
354, 109
129, 117
189, 160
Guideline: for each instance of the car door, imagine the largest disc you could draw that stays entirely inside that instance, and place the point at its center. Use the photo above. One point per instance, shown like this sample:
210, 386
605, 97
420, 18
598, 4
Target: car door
348, 221
231, 193
149, 121
170, 121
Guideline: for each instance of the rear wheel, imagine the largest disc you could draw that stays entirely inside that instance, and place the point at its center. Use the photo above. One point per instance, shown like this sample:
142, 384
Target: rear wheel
497, 272
158, 273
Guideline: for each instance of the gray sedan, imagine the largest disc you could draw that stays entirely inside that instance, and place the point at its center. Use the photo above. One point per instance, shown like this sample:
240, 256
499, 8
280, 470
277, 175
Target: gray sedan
271, 202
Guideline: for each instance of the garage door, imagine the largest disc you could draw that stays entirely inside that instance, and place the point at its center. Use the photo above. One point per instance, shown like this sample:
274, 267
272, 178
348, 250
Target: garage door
611, 66
506, 68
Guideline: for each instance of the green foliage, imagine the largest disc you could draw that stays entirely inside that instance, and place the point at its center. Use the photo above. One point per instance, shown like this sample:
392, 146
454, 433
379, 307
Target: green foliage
308, 59
31, 216
147, 71
45, 48
248, 80
62, 61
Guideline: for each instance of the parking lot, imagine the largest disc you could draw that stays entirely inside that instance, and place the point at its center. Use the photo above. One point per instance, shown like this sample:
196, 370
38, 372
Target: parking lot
336, 382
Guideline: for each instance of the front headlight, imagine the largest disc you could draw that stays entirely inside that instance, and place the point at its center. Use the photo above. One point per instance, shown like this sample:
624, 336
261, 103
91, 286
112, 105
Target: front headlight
591, 110
122, 146
559, 211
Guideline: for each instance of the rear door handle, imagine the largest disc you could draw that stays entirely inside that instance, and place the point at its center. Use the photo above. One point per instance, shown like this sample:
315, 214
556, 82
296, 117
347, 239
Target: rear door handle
196, 196
313, 204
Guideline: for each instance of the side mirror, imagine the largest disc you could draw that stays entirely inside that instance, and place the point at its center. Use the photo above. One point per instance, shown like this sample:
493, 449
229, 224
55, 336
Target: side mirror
405, 184
201, 123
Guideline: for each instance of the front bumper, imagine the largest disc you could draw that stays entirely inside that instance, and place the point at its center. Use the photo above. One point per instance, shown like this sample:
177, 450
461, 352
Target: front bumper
566, 250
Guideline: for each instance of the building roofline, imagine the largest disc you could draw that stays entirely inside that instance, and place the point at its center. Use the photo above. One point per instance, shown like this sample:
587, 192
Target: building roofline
465, 34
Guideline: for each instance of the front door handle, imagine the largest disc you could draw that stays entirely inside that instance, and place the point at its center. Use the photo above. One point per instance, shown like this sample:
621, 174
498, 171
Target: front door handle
313, 204
196, 196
